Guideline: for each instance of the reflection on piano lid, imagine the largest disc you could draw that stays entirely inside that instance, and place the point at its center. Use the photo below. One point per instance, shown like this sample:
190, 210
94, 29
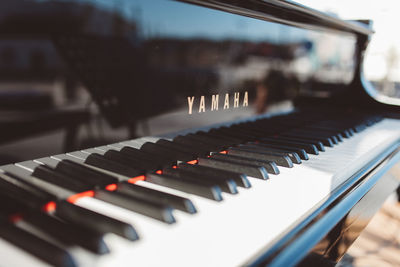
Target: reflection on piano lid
229, 175
138, 53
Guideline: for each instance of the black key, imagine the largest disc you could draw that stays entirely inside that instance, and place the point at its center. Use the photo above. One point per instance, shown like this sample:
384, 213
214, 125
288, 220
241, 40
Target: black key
253, 134
50, 175
317, 144
279, 159
29, 188
294, 157
139, 154
339, 137
170, 153
325, 141
257, 132
9, 208
184, 147
359, 128
36, 246
347, 133
193, 178
334, 138
33, 197
208, 138
239, 178
311, 133
309, 148
333, 132
121, 158
90, 219
226, 133
228, 186
214, 138
344, 132
175, 147
68, 233
241, 134
280, 148
13, 203
150, 161
24, 175
149, 194
189, 140
336, 134
351, 131
220, 137
84, 173
268, 129
192, 187
99, 161
151, 209
270, 166
249, 169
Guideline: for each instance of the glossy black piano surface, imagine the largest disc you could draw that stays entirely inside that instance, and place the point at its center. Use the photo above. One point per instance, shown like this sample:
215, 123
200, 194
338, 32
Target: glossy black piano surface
140, 59
253, 76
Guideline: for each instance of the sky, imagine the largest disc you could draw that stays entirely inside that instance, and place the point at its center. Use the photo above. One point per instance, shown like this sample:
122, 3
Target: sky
384, 49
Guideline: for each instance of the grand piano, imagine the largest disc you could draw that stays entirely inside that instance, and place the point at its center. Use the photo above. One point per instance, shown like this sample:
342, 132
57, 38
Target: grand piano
265, 145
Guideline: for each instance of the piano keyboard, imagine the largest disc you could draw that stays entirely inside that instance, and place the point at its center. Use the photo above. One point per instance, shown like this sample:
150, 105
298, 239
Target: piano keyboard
209, 198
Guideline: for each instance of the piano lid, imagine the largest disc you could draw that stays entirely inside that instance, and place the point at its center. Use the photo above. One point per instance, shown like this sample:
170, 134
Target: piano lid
176, 65
286, 12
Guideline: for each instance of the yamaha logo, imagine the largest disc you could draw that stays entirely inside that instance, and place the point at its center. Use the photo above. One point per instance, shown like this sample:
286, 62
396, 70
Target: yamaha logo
239, 100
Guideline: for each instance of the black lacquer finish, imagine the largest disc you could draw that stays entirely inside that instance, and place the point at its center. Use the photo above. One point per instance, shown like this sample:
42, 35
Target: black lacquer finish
286, 12
142, 58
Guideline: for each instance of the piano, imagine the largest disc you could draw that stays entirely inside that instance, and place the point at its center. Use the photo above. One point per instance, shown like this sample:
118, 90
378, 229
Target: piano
251, 138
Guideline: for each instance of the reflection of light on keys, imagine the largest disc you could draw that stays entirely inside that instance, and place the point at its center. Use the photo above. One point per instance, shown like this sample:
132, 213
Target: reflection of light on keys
78, 196
256, 216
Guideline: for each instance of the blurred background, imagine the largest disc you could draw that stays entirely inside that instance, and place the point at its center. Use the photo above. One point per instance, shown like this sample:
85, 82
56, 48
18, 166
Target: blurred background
379, 243
382, 59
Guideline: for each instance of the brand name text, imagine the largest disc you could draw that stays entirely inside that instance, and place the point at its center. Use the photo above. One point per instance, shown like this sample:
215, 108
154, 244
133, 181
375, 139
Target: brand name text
238, 99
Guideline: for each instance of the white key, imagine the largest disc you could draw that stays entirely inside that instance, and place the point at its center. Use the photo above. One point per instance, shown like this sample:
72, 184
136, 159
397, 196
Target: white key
229, 232
14, 256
